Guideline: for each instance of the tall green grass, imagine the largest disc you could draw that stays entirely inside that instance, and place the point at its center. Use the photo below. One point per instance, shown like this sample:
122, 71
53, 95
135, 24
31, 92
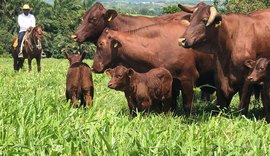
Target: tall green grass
35, 119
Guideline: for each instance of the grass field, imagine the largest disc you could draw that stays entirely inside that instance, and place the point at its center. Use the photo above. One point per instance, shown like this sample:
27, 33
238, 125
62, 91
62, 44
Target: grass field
35, 119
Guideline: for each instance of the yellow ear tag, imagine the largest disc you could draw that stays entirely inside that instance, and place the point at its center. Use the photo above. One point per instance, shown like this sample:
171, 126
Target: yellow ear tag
218, 24
185, 22
110, 19
115, 45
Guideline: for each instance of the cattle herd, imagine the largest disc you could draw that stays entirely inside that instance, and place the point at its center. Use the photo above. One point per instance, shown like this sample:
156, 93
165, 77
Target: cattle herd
152, 59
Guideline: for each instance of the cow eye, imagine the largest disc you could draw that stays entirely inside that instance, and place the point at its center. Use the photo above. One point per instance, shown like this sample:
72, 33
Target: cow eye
92, 20
205, 20
261, 68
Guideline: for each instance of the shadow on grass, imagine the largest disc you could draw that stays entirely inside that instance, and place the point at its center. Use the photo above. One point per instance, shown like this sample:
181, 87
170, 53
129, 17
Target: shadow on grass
202, 111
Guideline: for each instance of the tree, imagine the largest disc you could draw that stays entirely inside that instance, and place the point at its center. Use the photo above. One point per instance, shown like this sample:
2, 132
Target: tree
170, 9
240, 6
58, 20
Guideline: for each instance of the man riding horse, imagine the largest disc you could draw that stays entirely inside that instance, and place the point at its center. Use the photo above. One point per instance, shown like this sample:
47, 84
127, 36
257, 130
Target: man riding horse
25, 21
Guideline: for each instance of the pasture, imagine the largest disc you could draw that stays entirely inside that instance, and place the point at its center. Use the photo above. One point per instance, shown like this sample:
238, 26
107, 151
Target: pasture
35, 119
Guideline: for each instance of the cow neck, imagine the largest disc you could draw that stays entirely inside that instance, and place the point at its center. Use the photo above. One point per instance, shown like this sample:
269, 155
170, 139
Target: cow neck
222, 42
75, 63
132, 42
131, 88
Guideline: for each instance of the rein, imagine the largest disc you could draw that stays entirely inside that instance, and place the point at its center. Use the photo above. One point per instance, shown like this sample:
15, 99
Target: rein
32, 39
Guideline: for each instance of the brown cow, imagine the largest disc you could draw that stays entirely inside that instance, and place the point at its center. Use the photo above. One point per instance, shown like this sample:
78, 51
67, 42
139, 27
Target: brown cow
151, 47
260, 74
79, 83
233, 38
97, 18
143, 91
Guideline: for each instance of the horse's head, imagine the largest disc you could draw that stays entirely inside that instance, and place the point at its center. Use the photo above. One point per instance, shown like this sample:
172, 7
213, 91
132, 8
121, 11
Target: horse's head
36, 34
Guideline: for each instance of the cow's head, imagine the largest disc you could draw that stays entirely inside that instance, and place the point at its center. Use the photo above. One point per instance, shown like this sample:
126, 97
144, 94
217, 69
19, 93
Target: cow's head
106, 52
93, 23
260, 70
120, 77
203, 24
75, 57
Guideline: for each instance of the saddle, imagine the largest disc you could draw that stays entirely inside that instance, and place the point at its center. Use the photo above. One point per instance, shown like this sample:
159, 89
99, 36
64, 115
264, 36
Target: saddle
16, 40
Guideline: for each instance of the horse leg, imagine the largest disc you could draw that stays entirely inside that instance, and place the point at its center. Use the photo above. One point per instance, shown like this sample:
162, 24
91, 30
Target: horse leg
15, 64
20, 63
29, 64
38, 64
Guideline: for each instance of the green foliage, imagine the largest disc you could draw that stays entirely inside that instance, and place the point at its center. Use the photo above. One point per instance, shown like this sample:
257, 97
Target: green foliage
170, 9
241, 6
244, 6
35, 119
59, 21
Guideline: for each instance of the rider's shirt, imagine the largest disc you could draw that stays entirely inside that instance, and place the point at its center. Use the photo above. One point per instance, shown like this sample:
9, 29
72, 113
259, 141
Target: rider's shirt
26, 21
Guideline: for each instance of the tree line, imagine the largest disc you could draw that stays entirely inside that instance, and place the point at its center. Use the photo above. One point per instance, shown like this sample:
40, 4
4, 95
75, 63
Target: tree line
59, 21
62, 18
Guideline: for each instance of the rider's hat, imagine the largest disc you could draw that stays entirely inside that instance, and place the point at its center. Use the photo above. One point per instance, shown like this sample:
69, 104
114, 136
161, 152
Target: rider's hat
26, 7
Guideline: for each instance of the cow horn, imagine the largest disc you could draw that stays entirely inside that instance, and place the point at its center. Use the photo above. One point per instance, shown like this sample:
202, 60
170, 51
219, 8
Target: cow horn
188, 9
213, 14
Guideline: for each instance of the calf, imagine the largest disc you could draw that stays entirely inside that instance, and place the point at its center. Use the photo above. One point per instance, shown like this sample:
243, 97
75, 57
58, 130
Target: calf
260, 74
79, 83
143, 91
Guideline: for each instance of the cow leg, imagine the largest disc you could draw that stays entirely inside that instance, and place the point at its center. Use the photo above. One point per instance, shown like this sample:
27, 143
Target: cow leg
175, 93
167, 102
88, 99
222, 100
38, 64
29, 64
266, 103
187, 95
67, 96
246, 91
257, 92
74, 100
131, 105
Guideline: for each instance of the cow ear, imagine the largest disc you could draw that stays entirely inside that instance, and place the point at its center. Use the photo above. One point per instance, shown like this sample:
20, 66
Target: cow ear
109, 72
249, 63
110, 15
268, 64
116, 44
67, 55
218, 20
82, 56
130, 72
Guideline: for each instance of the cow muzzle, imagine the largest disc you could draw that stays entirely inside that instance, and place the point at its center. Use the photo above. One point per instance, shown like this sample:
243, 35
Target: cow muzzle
110, 85
182, 42
74, 37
